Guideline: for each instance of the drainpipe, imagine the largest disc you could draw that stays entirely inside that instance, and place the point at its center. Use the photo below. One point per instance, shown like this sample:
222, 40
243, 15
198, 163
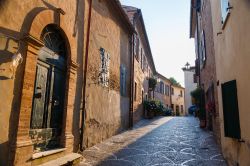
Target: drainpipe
131, 109
85, 75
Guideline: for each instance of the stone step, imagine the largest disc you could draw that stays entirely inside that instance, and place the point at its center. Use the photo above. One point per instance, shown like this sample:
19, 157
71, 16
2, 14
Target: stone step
70, 159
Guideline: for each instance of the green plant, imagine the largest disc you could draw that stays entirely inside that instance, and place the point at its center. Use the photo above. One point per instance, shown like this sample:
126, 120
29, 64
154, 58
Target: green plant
152, 82
202, 113
199, 97
174, 82
196, 94
157, 108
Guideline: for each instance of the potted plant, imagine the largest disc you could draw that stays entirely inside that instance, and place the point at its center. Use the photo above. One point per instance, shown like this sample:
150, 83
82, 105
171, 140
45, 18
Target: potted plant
199, 99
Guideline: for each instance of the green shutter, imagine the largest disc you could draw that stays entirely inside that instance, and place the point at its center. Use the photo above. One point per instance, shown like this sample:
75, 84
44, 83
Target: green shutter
230, 110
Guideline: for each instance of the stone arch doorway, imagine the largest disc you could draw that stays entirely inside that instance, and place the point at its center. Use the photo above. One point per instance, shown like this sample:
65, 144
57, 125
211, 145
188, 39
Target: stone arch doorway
46, 124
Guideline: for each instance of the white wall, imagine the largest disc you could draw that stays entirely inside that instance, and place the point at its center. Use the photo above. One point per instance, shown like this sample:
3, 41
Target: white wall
189, 86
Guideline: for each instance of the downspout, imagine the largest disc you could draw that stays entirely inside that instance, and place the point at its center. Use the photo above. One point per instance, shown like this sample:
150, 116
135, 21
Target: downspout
131, 109
85, 76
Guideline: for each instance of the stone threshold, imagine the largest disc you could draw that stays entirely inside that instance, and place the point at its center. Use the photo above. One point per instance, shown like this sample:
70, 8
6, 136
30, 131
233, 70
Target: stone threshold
47, 153
70, 159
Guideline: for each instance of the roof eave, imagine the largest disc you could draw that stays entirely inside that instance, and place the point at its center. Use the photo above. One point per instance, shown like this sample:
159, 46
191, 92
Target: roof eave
192, 19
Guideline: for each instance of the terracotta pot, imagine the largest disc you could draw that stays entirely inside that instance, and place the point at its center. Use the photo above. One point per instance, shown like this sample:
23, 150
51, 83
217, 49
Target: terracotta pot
202, 123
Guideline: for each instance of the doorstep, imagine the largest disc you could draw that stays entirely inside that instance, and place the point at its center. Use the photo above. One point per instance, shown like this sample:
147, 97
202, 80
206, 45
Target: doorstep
70, 159
47, 153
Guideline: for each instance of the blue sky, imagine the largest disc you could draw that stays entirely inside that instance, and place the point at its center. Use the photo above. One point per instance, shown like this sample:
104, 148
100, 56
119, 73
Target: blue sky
167, 25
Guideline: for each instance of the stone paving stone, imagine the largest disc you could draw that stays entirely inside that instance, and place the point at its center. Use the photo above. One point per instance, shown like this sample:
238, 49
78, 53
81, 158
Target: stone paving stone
164, 141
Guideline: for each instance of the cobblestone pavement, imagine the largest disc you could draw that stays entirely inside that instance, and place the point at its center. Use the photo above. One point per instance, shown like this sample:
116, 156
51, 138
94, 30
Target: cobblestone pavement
164, 141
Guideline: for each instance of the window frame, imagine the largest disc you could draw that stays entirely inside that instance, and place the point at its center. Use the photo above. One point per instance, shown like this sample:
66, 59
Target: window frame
226, 9
203, 53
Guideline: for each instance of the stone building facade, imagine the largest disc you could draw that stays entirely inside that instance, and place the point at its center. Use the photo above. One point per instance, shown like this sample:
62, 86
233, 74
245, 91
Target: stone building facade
190, 85
226, 25
202, 31
144, 67
162, 91
43, 48
231, 23
177, 100
109, 64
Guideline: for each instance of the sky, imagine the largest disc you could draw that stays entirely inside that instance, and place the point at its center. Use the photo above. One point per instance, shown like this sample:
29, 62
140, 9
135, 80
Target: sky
167, 25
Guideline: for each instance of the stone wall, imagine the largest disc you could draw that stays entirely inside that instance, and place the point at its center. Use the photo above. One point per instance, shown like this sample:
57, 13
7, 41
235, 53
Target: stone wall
231, 44
208, 71
107, 112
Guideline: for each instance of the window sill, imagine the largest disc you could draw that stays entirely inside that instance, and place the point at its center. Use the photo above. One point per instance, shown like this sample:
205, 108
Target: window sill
47, 153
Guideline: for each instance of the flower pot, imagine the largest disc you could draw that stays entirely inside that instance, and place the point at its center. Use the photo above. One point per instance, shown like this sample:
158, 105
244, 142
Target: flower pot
202, 123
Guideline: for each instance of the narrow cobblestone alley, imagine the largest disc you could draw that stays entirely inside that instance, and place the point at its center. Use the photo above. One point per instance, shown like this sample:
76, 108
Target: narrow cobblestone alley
163, 141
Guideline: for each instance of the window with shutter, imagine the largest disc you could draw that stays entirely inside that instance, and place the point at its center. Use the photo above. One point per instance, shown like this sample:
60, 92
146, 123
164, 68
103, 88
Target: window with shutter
202, 50
123, 80
230, 110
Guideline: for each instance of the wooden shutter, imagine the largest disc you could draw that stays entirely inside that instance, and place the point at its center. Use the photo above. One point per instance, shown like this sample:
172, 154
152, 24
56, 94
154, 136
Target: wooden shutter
123, 80
230, 110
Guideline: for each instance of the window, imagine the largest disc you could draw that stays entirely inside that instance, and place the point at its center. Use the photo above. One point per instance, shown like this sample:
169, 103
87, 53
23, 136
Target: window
225, 9
141, 59
166, 90
104, 69
231, 110
172, 91
136, 47
145, 64
202, 54
123, 80
181, 93
182, 109
161, 87
135, 92
135, 44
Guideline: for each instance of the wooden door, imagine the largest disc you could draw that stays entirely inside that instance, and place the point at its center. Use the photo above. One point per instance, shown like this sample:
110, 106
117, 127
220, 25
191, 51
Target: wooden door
48, 101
